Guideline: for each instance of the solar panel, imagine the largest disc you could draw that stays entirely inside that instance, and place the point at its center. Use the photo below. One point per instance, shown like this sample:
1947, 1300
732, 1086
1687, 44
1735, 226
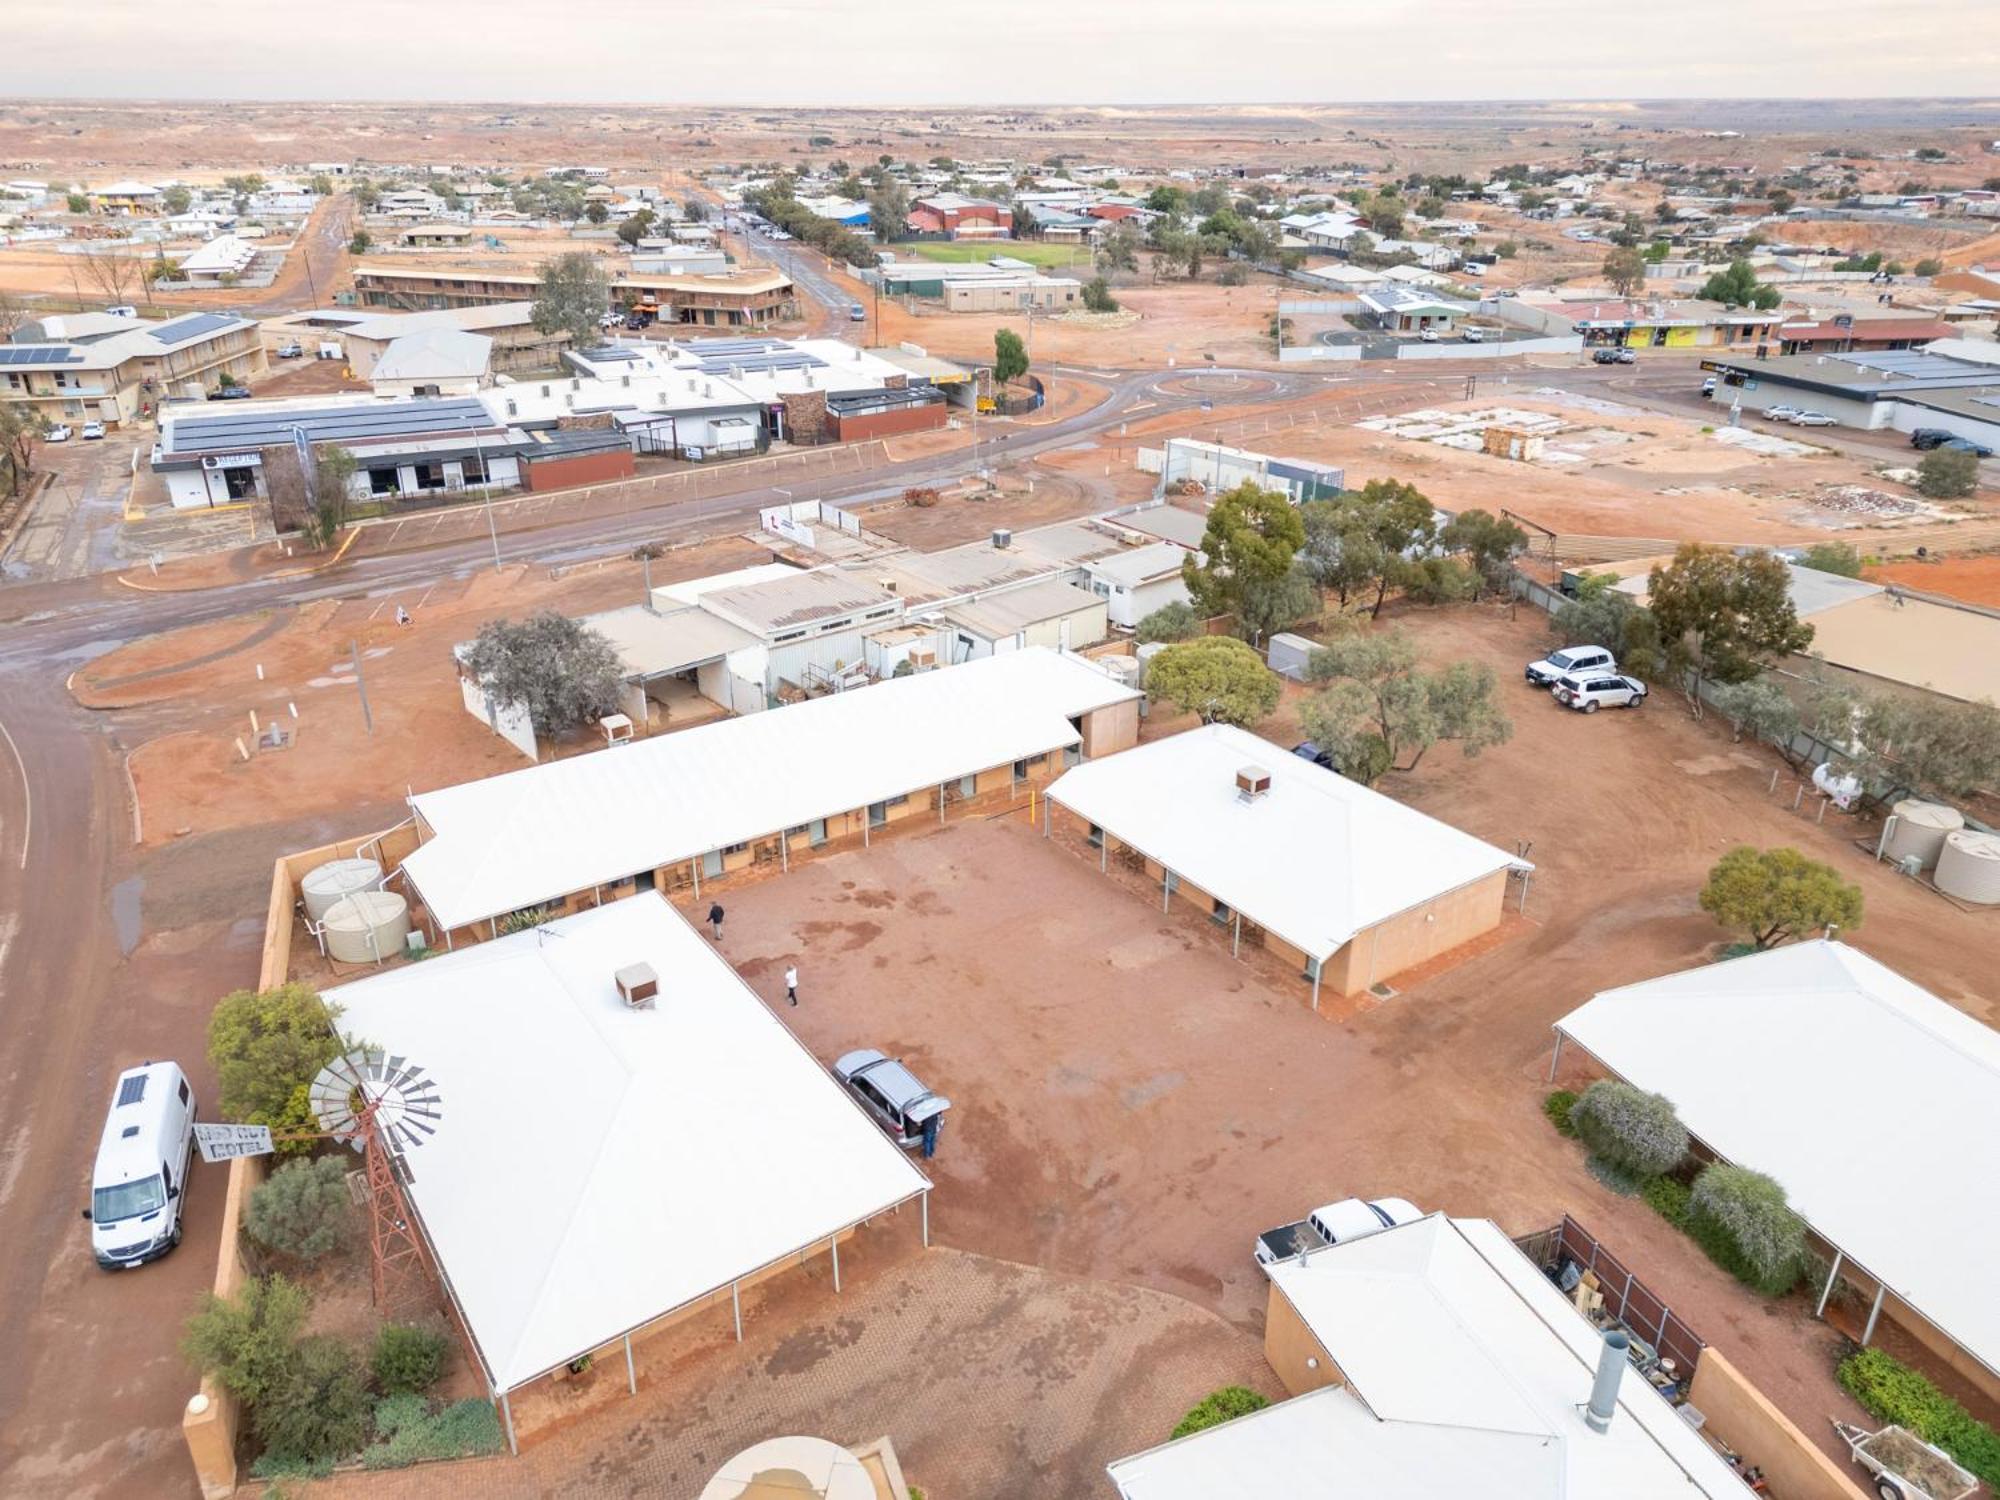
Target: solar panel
605, 353
194, 326
131, 1090
39, 354
782, 359
335, 424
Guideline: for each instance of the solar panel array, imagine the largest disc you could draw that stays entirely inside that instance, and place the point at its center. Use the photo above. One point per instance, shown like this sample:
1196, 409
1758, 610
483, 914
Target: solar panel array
763, 362
605, 353
194, 326
1913, 364
223, 433
38, 354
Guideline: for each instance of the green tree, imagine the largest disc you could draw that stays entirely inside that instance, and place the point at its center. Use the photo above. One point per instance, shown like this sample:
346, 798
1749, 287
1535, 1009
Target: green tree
1170, 622
1380, 711
1402, 522
596, 212
1930, 265
1220, 678
1118, 249
1010, 356
564, 672
77, 203
1761, 707
1097, 296
22, 429
245, 1341
321, 185
634, 227
1167, 199
1488, 543
1340, 551
176, 199
889, 211
318, 1407
302, 1209
1783, 202
267, 1046
1776, 895
573, 295
332, 492
1725, 617
1738, 287
1947, 749
1948, 474
1625, 269
1833, 557
362, 243
1247, 551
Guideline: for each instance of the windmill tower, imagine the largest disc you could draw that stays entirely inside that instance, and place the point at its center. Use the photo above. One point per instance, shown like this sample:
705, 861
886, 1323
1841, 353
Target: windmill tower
383, 1107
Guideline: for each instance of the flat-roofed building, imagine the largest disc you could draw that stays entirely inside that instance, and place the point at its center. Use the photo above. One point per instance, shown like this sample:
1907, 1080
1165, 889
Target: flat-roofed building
735, 299
93, 367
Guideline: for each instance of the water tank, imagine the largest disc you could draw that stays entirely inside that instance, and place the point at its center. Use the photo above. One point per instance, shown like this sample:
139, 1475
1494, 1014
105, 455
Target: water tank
1920, 830
1969, 867
367, 926
1123, 669
1145, 655
327, 883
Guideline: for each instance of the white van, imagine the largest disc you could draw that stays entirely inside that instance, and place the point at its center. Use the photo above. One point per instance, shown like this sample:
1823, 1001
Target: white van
138, 1188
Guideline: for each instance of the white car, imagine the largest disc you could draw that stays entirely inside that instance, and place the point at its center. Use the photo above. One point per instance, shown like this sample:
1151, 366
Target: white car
1569, 660
1427, 336
1474, 336
57, 434
93, 430
1813, 419
1588, 692
1781, 413
1333, 1224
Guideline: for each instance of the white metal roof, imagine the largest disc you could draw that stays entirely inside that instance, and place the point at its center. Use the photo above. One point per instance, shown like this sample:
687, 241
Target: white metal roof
1136, 565
1764, 1057
525, 837
434, 354
1315, 859
650, 642
690, 590
1466, 1373
597, 1166
223, 253
1006, 613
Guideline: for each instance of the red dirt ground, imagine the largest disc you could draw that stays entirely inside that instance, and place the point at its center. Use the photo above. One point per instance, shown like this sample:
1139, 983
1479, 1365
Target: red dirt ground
1976, 580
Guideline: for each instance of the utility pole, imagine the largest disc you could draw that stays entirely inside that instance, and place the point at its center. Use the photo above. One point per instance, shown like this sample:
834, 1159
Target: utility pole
367, 718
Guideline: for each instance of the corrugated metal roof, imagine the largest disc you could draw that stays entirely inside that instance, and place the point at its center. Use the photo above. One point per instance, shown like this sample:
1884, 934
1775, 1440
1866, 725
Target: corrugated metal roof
222, 432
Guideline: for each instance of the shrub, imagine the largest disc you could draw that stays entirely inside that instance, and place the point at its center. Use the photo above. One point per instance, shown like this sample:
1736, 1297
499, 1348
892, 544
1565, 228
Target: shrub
303, 1209
1948, 474
1622, 1180
1741, 1219
245, 1341
1557, 1107
1170, 622
1893, 1392
409, 1432
267, 1047
1833, 557
1097, 296
1221, 1406
408, 1359
1629, 1127
318, 1407
1668, 1197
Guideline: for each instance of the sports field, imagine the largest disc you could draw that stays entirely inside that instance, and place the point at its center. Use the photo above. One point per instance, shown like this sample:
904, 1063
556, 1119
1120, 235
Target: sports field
1035, 252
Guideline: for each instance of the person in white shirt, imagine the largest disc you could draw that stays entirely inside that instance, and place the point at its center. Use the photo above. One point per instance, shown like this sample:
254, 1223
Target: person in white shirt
792, 983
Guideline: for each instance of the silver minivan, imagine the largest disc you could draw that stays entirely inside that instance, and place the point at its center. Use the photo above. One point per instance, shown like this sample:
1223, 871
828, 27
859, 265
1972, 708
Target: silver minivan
890, 1092
138, 1189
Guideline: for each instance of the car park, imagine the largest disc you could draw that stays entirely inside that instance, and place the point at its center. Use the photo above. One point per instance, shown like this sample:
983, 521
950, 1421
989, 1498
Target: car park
1335, 1224
1813, 419
138, 1185
93, 429
1570, 660
890, 1092
1587, 692
57, 434
1780, 413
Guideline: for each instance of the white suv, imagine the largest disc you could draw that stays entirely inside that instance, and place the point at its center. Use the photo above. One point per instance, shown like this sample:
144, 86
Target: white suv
1569, 660
1590, 691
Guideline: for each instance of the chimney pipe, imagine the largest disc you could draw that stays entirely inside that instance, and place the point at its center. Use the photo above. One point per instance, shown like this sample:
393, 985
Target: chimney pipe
1611, 1361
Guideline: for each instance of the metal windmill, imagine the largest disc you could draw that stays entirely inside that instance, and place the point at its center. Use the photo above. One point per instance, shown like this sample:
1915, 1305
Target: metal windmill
383, 1107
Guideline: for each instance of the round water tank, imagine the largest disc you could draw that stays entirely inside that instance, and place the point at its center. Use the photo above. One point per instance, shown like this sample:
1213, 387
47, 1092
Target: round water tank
1920, 830
367, 926
1144, 655
1969, 867
327, 883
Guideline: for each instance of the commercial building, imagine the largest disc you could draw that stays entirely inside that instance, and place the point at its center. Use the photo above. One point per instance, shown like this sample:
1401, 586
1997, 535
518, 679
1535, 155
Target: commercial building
1430, 1360
433, 362
1219, 467
1644, 325
1346, 885
1404, 310
516, 346
1049, 613
958, 217
219, 261
1846, 333
601, 1170
671, 812
1136, 581
93, 367
1764, 1057
1951, 384
736, 299
974, 288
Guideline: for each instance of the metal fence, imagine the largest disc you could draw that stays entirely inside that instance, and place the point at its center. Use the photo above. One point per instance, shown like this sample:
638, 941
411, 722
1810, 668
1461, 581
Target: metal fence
1641, 1311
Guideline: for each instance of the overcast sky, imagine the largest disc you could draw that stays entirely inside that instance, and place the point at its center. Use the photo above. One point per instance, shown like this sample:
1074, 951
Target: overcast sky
900, 52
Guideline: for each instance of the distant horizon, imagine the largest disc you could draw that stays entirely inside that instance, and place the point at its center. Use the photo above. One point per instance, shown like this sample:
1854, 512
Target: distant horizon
1975, 101
880, 54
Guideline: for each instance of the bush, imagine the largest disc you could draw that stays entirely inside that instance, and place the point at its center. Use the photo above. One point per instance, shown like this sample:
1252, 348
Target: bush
1170, 622
267, 1047
1630, 1128
1948, 474
409, 1432
245, 1341
1225, 1405
1557, 1108
1741, 1219
318, 1407
303, 1209
1833, 557
408, 1359
1097, 296
1893, 1392
1668, 1197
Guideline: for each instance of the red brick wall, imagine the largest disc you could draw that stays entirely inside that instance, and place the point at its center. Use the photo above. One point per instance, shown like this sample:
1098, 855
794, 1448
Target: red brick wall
566, 471
926, 418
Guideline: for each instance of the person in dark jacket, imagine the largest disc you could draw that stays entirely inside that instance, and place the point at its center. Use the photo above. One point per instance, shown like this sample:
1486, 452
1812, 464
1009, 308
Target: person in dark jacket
715, 919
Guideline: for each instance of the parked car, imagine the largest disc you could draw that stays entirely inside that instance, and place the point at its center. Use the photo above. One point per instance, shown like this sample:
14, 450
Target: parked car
856, 313
57, 434
1966, 445
93, 430
1931, 437
1310, 750
138, 1187
293, 350
1780, 413
1427, 336
890, 1092
1708, 386
1590, 691
230, 393
1335, 1224
1613, 357
1813, 419
1570, 659
1475, 336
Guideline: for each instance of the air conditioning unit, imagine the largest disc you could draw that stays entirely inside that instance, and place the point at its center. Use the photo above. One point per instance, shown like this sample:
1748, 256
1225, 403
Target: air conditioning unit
1252, 782
1002, 539
638, 986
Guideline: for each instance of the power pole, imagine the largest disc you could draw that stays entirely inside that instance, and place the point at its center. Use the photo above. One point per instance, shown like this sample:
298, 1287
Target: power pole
367, 718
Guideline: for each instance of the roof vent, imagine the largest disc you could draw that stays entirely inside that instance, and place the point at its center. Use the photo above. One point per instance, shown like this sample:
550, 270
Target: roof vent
545, 390
1002, 538
625, 380
128, 1132
512, 410
638, 986
888, 585
1252, 782
1611, 1361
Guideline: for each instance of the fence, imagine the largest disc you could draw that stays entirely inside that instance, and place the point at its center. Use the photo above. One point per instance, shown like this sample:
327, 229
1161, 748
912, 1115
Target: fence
1293, 354
1505, 350
1636, 1306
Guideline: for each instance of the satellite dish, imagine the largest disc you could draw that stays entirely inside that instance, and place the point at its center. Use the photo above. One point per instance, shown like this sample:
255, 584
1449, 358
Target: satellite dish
367, 1083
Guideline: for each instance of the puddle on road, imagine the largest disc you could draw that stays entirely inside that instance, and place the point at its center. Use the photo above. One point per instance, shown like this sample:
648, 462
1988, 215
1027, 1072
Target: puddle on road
125, 913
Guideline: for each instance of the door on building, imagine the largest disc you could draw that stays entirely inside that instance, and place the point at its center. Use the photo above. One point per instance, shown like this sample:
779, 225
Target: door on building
241, 484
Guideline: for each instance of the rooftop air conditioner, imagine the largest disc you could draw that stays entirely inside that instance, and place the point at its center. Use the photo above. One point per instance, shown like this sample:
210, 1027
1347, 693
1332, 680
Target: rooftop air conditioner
638, 986
1252, 782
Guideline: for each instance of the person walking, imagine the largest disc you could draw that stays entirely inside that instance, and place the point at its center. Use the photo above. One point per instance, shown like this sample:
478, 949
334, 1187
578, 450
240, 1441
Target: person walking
792, 983
715, 919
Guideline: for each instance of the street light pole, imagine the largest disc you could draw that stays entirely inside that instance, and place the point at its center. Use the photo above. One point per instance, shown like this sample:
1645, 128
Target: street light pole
486, 491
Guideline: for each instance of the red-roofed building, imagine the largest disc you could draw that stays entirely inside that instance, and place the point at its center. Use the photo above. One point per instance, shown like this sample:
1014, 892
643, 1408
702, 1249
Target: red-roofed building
961, 218
1850, 335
